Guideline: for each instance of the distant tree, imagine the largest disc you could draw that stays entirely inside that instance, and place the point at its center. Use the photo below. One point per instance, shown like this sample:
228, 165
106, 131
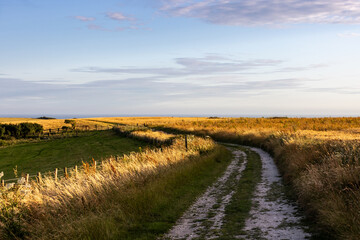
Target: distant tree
44, 117
30, 129
39, 129
26, 130
72, 122
21, 130
2, 132
12, 130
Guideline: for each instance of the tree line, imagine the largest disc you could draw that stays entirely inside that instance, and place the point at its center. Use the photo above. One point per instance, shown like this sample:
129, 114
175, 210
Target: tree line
21, 130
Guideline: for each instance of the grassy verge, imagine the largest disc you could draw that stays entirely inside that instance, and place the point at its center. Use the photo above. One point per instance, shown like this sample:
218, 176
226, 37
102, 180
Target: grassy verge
148, 208
44, 156
238, 209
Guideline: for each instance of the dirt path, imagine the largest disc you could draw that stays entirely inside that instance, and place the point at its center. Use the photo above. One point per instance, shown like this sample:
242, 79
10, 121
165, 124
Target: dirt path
205, 217
271, 216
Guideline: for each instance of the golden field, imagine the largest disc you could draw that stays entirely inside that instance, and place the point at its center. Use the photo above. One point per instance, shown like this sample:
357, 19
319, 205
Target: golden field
319, 159
53, 123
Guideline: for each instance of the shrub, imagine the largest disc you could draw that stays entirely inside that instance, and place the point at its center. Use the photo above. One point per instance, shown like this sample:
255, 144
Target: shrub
72, 122
22, 130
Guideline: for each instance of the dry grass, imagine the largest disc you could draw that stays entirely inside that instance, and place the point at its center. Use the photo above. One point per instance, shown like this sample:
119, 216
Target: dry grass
319, 157
160, 136
47, 210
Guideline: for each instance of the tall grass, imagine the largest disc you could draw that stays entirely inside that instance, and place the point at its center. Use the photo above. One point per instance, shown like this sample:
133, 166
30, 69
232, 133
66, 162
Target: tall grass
145, 134
44, 210
318, 157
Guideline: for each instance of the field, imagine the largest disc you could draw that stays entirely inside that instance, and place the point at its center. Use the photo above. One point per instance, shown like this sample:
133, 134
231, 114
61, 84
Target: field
318, 159
145, 191
55, 123
44, 156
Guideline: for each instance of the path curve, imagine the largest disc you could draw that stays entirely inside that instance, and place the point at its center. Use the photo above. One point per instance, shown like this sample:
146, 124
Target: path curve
272, 216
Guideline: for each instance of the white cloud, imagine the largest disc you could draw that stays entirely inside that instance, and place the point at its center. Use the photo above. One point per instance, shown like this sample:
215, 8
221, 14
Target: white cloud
193, 66
85, 19
118, 16
266, 12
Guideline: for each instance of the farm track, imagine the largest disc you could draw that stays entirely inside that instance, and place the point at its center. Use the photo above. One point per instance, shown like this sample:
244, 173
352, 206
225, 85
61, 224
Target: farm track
272, 216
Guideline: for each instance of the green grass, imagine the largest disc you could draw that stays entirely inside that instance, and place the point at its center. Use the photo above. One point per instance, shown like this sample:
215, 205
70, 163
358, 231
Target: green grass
238, 209
148, 209
43, 156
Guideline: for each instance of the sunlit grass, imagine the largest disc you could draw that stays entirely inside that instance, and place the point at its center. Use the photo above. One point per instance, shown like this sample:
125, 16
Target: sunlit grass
41, 210
318, 157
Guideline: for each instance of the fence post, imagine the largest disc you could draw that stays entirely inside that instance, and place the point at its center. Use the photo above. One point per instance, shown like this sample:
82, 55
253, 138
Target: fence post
56, 174
94, 166
27, 178
39, 179
3, 183
186, 142
66, 173
75, 168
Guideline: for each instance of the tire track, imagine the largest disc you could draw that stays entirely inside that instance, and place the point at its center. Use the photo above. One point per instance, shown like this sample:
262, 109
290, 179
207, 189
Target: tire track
196, 221
272, 216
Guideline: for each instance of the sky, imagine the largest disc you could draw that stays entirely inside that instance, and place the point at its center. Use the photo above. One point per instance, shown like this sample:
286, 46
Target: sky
180, 57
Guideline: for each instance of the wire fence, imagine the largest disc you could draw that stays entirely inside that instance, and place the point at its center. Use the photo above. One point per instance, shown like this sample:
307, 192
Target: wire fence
56, 174
72, 171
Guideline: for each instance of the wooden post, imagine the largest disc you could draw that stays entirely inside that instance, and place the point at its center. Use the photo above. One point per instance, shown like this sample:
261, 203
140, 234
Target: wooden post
186, 142
76, 172
94, 166
27, 178
39, 179
3, 183
56, 174
66, 173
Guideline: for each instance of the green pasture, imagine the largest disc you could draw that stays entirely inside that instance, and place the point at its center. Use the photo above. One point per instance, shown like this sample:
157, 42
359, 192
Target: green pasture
47, 155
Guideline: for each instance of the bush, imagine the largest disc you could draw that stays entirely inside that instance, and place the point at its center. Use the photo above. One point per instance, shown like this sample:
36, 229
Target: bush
22, 130
72, 122
2, 131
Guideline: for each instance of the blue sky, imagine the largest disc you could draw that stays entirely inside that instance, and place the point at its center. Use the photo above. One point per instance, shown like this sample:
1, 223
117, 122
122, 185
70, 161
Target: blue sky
193, 57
